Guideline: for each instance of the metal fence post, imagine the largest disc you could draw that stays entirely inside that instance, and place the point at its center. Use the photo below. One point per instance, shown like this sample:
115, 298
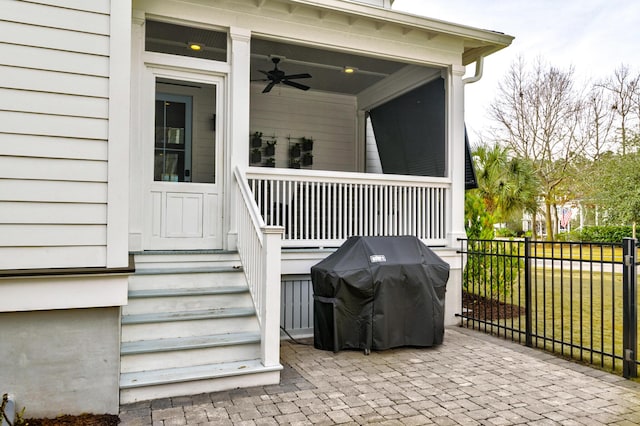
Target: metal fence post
629, 308
527, 291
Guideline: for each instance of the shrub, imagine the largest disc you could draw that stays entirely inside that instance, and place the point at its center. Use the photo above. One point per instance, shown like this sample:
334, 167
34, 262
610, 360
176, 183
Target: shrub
492, 268
602, 234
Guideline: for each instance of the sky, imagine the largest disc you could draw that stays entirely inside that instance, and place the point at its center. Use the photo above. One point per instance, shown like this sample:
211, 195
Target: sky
592, 36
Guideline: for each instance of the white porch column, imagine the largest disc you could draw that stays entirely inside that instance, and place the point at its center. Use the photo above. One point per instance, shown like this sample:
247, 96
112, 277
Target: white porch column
237, 145
455, 201
270, 321
456, 155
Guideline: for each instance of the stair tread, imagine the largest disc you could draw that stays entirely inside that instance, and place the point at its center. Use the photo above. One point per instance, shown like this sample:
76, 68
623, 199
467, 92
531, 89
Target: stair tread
186, 343
184, 252
187, 315
188, 270
192, 291
198, 372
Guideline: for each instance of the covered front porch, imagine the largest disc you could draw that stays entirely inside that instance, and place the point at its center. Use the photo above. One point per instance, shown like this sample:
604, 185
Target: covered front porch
292, 126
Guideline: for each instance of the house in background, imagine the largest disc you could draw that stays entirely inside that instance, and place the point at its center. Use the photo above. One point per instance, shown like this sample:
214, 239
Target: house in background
170, 170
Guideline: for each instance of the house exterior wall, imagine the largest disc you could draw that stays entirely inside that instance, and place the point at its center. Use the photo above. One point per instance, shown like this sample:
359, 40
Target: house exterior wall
64, 118
59, 78
61, 361
432, 49
329, 119
54, 133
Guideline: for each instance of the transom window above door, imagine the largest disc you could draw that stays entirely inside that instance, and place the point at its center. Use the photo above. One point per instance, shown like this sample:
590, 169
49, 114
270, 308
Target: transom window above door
163, 37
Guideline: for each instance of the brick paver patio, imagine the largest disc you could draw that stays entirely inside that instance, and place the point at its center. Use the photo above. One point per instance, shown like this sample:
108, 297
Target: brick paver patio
471, 379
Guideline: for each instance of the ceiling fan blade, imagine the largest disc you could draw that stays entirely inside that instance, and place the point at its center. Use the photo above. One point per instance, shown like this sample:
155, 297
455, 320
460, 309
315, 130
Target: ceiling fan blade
292, 76
269, 87
267, 73
260, 79
296, 85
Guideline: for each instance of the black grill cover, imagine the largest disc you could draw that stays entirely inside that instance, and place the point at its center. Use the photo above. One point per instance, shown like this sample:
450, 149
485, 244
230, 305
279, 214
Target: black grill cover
379, 293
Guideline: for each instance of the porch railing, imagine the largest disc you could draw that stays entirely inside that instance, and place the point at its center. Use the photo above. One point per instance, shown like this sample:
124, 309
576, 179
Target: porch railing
259, 247
323, 209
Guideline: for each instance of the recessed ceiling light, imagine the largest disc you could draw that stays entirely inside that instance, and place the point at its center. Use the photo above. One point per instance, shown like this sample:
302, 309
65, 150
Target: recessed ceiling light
349, 70
195, 46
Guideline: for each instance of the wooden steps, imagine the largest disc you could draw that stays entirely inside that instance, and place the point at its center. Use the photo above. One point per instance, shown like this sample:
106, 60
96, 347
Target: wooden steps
190, 327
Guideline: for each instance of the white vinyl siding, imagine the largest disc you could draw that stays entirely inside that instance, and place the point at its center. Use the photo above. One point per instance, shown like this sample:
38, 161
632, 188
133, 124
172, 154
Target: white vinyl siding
372, 156
52, 147
54, 118
330, 120
53, 192
53, 82
32, 257
53, 103
52, 213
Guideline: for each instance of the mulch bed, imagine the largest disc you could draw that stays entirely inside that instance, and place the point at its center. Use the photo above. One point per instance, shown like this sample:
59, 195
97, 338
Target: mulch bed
81, 420
485, 309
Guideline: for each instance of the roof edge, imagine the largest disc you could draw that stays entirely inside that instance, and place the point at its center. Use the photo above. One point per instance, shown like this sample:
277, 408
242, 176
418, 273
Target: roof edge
497, 39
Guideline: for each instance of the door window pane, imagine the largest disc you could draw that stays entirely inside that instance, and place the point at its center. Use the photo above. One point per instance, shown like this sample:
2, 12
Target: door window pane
173, 134
185, 115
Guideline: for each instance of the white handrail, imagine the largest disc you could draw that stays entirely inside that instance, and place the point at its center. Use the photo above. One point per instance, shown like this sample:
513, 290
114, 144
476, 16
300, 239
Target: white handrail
334, 176
259, 247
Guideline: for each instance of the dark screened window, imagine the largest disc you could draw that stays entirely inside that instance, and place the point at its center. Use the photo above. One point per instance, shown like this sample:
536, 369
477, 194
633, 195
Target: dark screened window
175, 39
410, 132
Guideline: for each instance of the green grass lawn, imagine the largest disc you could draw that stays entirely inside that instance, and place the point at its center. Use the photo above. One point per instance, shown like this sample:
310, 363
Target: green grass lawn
586, 252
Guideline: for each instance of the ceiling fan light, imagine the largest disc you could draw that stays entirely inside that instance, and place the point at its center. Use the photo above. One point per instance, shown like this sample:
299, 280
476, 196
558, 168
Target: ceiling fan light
349, 70
196, 47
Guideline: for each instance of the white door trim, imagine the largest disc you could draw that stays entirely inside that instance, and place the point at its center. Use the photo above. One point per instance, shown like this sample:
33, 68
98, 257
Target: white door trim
205, 228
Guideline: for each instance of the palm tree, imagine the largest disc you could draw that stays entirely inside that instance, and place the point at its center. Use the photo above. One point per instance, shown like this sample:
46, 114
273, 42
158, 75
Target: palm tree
507, 185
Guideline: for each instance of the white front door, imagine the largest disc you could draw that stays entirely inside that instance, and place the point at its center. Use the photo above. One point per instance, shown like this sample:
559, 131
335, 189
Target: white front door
183, 146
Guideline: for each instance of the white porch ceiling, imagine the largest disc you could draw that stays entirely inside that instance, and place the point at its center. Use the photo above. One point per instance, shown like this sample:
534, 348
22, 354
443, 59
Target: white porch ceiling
325, 67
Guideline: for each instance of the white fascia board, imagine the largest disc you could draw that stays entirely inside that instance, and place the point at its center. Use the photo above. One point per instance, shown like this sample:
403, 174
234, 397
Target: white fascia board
63, 292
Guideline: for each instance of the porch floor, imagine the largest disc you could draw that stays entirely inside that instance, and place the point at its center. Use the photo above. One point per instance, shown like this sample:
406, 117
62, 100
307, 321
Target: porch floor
470, 379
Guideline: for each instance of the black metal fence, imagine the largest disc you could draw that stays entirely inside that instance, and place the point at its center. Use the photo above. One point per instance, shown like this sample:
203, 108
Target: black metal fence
578, 300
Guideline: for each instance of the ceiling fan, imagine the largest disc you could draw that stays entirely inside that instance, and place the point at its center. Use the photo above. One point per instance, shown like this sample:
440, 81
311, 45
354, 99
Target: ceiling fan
277, 76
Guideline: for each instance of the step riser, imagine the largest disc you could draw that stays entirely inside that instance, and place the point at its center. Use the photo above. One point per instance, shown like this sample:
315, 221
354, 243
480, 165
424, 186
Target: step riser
186, 303
187, 358
135, 332
190, 280
186, 261
196, 387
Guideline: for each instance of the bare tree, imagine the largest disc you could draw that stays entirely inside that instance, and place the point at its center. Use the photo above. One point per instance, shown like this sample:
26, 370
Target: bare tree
538, 112
625, 90
597, 122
